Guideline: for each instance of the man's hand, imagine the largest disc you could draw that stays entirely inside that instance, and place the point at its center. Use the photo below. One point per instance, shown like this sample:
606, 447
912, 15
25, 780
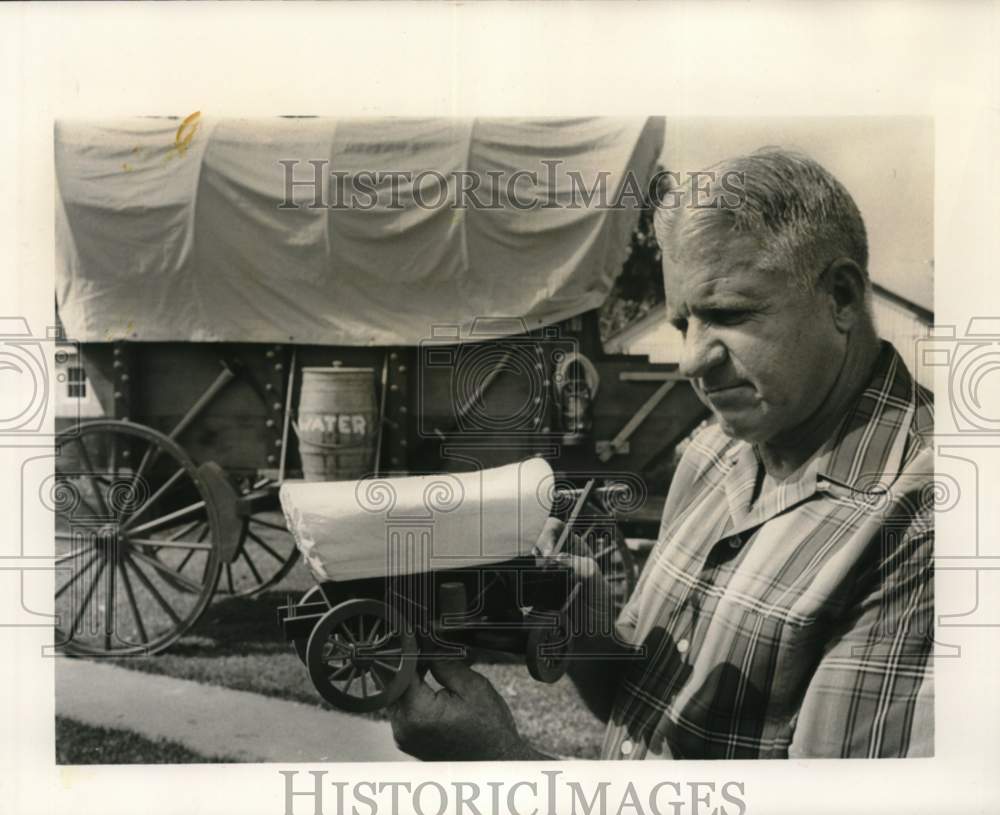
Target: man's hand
576, 556
466, 720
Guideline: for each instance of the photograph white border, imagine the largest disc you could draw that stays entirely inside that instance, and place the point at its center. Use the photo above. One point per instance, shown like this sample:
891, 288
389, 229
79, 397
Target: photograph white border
736, 59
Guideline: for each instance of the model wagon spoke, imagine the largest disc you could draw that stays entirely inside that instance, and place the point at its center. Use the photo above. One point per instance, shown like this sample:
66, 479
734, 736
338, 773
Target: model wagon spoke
337, 672
394, 668
369, 678
377, 681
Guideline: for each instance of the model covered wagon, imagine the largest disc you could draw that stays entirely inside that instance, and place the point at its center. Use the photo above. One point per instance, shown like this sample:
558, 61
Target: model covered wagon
424, 566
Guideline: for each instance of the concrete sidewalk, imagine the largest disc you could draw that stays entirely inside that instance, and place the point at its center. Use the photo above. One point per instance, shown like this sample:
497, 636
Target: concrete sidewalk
217, 721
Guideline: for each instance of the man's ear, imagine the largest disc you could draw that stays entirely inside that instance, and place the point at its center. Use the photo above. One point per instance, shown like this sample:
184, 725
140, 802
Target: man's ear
845, 283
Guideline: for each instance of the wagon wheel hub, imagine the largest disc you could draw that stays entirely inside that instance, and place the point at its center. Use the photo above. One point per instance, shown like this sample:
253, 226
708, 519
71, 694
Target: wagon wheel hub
361, 656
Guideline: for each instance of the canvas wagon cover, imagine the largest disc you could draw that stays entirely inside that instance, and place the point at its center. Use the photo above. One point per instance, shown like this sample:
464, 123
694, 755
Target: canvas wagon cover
171, 229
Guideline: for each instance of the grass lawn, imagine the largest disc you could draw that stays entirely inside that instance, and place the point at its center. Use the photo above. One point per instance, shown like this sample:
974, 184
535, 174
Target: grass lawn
238, 644
78, 743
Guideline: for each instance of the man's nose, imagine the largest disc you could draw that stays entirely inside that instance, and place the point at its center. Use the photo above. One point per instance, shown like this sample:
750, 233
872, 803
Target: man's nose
701, 352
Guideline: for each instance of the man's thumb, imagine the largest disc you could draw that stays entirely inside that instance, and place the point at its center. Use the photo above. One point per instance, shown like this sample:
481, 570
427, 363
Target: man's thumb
454, 675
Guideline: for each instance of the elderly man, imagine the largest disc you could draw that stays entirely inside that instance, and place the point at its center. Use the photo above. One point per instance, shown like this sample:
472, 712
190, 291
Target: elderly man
787, 608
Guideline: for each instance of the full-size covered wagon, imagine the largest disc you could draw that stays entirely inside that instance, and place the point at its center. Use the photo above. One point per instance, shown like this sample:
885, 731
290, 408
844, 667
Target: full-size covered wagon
261, 301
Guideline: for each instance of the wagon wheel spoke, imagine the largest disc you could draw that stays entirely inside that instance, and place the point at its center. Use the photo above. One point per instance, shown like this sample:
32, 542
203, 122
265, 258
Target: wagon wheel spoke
268, 524
350, 679
148, 459
386, 666
133, 607
377, 680
336, 673
94, 512
109, 607
183, 531
266, 554
75, 624
78, 575
201, 537
68, 556
91, 474
263, 545
251, 566
365, 679
157, 543
148, 585
166, 520
128, 519
166, 571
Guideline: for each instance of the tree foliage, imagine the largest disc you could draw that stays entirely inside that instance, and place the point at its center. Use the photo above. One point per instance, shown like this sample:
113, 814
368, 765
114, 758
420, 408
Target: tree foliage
639, 286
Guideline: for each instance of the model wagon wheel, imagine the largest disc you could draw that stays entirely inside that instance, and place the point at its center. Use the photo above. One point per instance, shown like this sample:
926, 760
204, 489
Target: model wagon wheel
265, 555
361, 656
547, 649
135, 530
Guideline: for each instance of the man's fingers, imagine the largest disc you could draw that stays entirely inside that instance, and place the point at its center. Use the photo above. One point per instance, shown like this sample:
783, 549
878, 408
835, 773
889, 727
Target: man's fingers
455, 676
415, 698
549, 535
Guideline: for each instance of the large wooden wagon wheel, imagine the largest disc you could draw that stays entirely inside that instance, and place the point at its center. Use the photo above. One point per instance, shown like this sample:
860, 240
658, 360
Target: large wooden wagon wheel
136, 531
266, 552
361, 657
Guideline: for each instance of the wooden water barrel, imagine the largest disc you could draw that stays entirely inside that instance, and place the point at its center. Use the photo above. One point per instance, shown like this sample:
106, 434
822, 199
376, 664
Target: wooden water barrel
337, 424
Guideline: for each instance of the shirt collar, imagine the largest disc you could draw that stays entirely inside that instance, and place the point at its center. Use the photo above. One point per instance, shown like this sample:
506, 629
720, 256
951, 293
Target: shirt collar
865, 453
870, 444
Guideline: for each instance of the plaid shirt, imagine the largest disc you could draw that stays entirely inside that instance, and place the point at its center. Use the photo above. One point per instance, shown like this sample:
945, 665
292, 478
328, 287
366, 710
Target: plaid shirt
799, 623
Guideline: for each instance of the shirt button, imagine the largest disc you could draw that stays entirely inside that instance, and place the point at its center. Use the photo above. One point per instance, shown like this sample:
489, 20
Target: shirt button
735, 542
626, 748
682, 646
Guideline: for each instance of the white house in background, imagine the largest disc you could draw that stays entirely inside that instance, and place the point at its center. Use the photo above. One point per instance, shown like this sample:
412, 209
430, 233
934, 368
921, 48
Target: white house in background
897, 319
74, 397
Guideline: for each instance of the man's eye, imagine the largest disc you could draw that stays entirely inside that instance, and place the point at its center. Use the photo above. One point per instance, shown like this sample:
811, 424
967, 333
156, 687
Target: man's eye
727, 317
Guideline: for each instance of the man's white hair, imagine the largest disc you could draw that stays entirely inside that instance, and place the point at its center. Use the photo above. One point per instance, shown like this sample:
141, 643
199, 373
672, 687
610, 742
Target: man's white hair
803, 217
